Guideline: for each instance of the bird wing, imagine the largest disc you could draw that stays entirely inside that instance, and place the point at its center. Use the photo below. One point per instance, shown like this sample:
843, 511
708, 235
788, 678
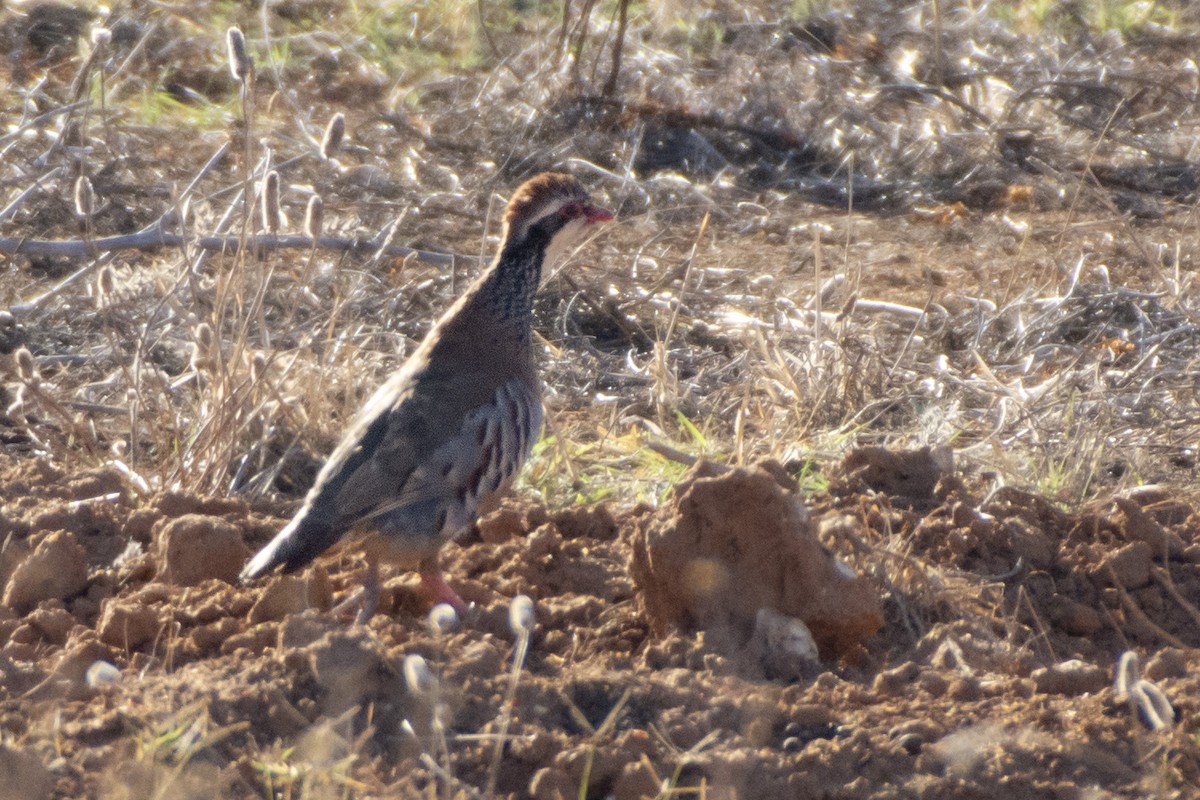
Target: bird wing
424, 437
416, 443
381, 462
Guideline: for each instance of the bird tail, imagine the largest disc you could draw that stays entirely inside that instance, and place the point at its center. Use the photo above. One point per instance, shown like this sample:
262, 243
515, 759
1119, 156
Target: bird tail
300, 541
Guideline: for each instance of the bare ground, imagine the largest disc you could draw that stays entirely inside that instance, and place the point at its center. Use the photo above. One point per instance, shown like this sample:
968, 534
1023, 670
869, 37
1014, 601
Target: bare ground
1016, 280
239, 688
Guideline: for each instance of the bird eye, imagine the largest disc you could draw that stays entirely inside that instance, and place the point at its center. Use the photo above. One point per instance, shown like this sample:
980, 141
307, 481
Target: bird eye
571, 211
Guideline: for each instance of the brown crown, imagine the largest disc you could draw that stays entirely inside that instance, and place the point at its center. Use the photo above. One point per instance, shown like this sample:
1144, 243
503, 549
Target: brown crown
539, 190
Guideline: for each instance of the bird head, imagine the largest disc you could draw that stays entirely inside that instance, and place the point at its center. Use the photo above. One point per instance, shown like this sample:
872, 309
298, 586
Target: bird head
551, 210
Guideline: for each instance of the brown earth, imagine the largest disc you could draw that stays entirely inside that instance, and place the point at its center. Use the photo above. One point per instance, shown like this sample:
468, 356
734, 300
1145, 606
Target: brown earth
990, 677
1041, 228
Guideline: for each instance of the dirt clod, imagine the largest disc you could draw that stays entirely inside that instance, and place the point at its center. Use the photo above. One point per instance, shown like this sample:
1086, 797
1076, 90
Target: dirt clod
1075, 618
1073, 677
732, 542
291, 594
346, 664
25, 776
194, 547
56, 570
128, 625
912, 474
1129, 566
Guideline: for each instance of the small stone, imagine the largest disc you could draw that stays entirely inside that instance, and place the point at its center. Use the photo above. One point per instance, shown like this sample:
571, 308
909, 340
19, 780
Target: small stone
213, 635
911, 743
78, 655
256, 640
56, 570
783, 646
934, 683
922, 730
792, 744
807, 715
1031, 544
1071, 678
1137, 525
501, 525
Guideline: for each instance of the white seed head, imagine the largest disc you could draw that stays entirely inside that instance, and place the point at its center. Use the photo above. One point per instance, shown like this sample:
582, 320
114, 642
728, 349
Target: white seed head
270, 202
258, 367
442, 619
418, 677
203, 347
241, 66
27, 370
16, 408
102, 673
1127, 674
314, 217
205, 336
106, 284
85, 198
101, 37
520, 615
1155, 706
332, 140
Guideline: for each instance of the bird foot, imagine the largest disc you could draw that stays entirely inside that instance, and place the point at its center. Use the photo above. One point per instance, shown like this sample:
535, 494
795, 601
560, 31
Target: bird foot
365, 599
438, 591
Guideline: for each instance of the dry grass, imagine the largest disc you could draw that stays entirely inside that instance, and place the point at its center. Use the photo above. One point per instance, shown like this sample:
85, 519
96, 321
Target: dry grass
1023, 289
1061, 358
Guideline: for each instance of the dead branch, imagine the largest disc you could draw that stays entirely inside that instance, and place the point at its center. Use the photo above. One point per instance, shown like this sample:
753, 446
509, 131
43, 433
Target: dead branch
155, 239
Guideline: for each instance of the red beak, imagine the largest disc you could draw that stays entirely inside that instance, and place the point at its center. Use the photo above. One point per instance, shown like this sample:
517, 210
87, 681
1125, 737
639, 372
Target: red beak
597, 214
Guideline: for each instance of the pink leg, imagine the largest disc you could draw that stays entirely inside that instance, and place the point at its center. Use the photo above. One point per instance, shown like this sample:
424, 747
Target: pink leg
440, 592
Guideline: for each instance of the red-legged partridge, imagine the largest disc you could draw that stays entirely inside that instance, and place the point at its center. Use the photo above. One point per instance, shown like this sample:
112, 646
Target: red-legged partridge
442, 440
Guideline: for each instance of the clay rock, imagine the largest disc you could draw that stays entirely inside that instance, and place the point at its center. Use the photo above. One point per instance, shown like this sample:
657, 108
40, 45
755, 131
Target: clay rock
1074, 617
56, 570
291, 594
912, 474
1137, 525
80, 652
734, 541
1129, 566
1072, 678
193, 548
127, 625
